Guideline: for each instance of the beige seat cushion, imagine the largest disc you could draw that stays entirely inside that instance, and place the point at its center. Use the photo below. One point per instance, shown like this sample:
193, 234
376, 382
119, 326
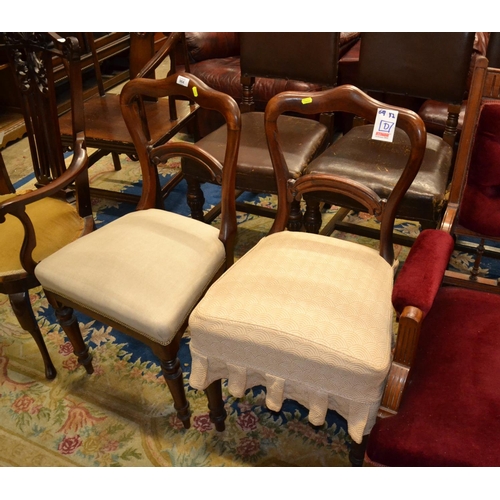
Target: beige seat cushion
56, 224
145, 270
308, 317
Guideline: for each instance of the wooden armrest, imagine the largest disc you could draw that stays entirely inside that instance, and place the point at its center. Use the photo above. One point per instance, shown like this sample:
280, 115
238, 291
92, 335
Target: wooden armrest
406, 345
16, 205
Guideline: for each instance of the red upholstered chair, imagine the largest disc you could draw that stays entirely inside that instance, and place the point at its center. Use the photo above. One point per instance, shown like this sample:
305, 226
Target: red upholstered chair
474, 205
448, 414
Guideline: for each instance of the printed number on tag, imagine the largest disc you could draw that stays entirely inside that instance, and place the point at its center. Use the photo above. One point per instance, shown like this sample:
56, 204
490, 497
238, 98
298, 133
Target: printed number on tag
385, 123
182, 80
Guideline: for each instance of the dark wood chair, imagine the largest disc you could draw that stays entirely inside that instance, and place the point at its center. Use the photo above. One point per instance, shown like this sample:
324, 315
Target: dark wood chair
144, 272
447, 415
308, 316
423, 65
473, 211
5, 182
309, 57
35, 224
106, 130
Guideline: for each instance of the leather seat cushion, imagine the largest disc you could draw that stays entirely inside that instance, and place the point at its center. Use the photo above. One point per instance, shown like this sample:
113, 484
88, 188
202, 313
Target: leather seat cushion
301, 139
56, 223
146, 270
379, 164
307, 316
435, 114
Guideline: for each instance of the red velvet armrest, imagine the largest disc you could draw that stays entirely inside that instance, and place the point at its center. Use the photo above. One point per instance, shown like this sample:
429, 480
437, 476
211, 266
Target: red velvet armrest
420, 277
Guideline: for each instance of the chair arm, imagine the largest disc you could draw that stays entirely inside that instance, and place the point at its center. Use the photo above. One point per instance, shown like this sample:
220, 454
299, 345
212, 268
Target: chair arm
16, 205
420, 277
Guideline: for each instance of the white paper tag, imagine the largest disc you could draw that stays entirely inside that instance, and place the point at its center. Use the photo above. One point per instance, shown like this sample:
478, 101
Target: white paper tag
182, 80
385, 123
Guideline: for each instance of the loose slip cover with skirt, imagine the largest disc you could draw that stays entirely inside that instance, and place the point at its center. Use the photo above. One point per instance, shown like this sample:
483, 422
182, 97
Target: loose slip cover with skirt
341, 288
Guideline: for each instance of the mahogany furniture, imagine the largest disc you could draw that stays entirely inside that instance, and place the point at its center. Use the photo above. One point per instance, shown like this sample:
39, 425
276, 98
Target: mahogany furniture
310, 57
404, 64
435, 113
105, 128
308, 316
144, 272
447, 415
473, 209
35, 224
215, 58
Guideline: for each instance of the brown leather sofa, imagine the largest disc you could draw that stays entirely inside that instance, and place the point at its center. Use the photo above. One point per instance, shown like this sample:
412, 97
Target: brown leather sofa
214, 58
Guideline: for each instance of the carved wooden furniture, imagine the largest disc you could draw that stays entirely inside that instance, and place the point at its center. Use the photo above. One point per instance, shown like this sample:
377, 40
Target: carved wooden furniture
406, 64
111, 46
307, 316
144, 272
106, 130
474, 205
310, 57
35, 224
447, 415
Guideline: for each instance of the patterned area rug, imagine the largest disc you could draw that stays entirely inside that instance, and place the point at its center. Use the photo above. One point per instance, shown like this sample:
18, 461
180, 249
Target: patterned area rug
122, 415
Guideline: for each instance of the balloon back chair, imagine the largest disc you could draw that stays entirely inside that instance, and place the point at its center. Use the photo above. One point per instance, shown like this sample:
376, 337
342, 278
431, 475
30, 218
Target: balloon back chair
308, 316
144, 272
473, 212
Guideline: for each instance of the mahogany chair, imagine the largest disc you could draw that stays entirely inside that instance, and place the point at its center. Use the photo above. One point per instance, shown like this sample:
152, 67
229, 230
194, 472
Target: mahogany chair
144, 272
423, 65
308, 316
309, 57
474, 206
447, 415
37, 223
106, 130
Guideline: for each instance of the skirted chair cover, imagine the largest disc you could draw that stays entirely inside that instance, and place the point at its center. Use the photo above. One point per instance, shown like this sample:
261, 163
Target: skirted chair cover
340, 363
56, 223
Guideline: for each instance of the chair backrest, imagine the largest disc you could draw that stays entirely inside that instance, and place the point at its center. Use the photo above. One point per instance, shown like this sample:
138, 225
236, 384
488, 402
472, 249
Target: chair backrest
426, 65
31, 57
188, 86
478, 159
309, 57
347, 99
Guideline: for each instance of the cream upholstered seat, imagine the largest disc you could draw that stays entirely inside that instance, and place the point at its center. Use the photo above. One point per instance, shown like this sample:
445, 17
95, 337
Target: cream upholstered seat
308, 316
128, 281
144, 272
317, 315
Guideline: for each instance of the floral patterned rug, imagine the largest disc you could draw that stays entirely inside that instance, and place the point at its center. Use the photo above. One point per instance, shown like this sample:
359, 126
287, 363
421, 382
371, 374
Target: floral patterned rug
122, 415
